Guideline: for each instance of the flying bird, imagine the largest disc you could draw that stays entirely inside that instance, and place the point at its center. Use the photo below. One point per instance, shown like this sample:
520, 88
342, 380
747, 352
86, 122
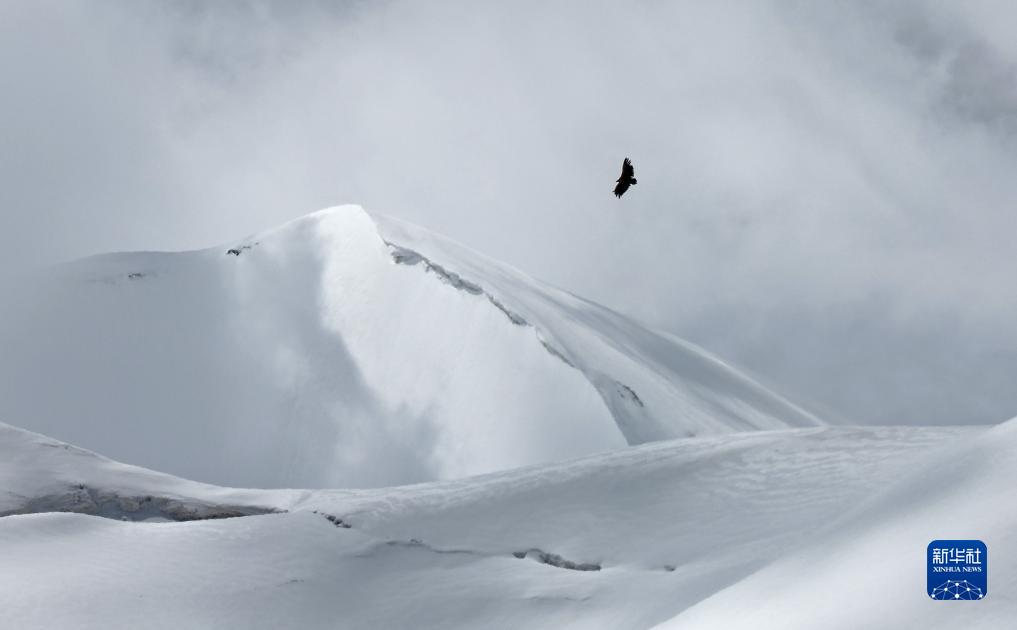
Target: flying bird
627, 178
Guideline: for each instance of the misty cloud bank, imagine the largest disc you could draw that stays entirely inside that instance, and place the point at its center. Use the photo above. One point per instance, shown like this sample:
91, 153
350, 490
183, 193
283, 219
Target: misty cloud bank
826, 193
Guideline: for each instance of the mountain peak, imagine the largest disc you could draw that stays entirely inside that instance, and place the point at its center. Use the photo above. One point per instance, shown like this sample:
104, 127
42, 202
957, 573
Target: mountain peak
345, 348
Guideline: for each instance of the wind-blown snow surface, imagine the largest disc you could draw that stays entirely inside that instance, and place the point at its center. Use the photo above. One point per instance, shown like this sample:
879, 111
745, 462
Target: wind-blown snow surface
868, 570
348, 350
766, 529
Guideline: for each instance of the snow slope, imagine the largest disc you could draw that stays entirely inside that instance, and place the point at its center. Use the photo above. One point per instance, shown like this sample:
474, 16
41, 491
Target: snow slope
868, 571
695, 531
343, 349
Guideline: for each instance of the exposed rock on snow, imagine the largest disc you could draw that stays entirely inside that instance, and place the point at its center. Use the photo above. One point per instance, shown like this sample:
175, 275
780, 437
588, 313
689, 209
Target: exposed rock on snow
84, 500
335, 520
405, 256
556, 561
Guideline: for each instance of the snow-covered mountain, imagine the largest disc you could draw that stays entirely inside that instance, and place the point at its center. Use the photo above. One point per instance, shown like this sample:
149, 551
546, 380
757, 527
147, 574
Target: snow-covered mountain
632, 479
805, 528
345, 349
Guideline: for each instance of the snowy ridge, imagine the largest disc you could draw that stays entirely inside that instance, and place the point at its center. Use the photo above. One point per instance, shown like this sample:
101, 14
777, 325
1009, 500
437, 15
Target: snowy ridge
696, 531
618, 355
39, 474
347, 349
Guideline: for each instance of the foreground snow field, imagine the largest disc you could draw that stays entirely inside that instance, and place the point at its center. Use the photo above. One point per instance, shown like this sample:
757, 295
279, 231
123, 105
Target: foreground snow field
345, 349
771, 529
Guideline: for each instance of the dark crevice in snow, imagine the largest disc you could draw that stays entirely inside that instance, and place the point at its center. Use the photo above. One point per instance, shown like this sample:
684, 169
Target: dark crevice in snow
515, 318
539, 555
629, 411
335, 520
555, 560
236, 251
555, 352
627, 393
404, 256
81, 499
417, 544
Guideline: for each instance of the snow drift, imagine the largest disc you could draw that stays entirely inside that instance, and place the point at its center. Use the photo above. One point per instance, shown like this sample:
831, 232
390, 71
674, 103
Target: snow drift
344, 349
868, 569
768, 529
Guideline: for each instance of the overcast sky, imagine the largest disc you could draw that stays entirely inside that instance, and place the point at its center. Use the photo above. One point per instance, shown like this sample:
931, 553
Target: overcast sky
826, 191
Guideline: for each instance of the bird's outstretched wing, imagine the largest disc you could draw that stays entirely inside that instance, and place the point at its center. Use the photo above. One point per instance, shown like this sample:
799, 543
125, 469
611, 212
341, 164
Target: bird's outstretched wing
626, 178
627, 171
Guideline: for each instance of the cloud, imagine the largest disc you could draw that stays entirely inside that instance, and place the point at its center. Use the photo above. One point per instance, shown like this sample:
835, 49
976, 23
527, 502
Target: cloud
825, 191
